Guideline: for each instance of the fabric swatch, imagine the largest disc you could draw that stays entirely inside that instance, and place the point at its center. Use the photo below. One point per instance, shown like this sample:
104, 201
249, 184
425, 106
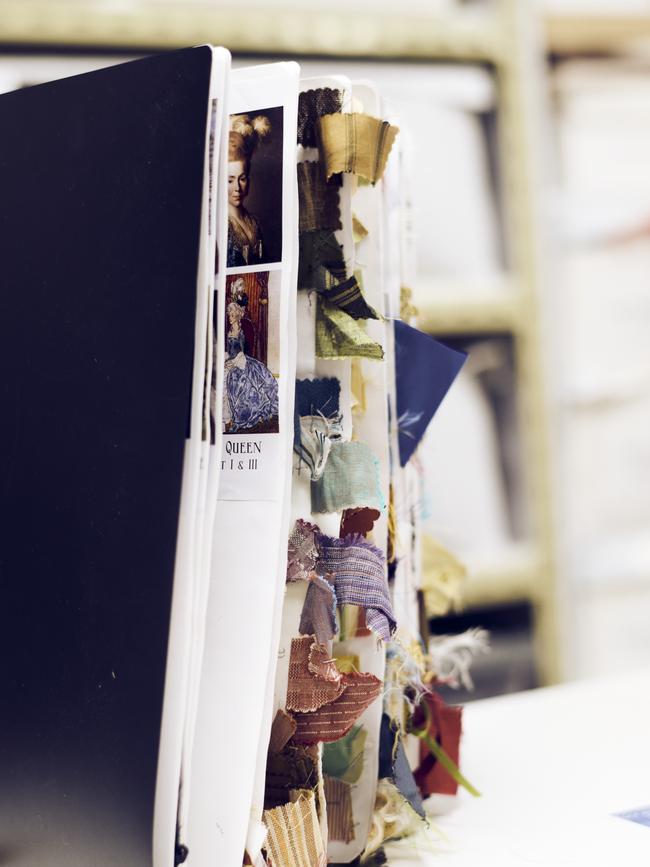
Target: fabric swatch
394, 765
294, 838
318, 616
446, 728
282, 730
320, 260
343, 759
347, 662
357, 568
332, 721
350, 480
338, 335
358, 521
349, 297
313, 104
318, 201
318, 396
302, 553
356, 143
340, 822
424, 371
306, 690
316, 434
295, 767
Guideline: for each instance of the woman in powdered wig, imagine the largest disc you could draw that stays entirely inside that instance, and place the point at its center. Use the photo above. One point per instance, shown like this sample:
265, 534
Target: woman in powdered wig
250, 394
245, 245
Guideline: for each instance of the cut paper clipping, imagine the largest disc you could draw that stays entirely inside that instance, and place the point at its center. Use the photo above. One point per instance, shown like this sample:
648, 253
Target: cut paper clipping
425, 371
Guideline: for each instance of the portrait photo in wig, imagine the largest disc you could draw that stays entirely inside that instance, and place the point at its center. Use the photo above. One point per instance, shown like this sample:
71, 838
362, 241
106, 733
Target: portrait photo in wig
255, 188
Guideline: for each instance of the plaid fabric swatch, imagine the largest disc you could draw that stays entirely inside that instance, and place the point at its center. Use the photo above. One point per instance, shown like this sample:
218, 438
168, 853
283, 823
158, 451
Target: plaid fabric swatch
338, 335
332, 721
356, 143
318, 201
350, 480
310, 686
313, 104
357, 569
318, 616
340, 822
294, 838
343, 759
349, 297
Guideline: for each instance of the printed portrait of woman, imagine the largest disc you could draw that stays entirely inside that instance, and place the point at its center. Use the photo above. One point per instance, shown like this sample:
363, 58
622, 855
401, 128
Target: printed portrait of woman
250, 395
255, 188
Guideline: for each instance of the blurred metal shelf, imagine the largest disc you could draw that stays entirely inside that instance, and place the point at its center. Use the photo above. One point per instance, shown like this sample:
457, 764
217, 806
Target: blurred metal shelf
459, 307
596, 33
270, 29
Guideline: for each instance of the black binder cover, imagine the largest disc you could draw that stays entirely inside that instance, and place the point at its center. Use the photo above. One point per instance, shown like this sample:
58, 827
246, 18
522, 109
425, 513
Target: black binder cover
101, 179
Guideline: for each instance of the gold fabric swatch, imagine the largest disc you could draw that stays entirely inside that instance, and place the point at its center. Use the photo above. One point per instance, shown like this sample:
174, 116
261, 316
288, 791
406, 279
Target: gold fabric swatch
356, 143
338, 335
294, 838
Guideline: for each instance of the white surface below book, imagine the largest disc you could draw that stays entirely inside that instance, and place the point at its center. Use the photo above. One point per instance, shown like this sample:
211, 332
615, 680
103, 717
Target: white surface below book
553, 765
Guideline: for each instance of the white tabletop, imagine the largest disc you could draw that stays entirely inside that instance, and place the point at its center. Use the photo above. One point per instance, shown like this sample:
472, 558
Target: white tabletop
553, 765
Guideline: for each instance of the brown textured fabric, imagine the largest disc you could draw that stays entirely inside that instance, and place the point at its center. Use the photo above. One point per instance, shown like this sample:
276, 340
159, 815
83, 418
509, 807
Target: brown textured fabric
282, 730
318, 201
296, 767
340, 822
334, 720
308, 691
294, 837
356, 143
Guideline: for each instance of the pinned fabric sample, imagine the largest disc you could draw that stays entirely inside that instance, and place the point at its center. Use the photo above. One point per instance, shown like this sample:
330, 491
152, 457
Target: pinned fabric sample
358, 521
302, 552
343, 759
282, 730
313, 104
319, 610
350, 480
307, 690
320, 260
338, 335
349, 297
445, 727
357, 568
294, 838
420, 395
340, 822
332, 721
316, 435
356, 143
394, 765
318, 201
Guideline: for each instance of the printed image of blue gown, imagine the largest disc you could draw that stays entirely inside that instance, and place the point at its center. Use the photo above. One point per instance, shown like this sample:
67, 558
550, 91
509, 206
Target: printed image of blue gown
250, 391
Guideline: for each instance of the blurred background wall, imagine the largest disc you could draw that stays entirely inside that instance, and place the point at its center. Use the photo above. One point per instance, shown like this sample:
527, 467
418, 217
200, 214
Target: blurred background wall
528, 134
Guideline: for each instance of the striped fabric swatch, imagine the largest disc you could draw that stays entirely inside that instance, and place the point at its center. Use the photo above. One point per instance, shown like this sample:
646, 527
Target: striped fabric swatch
294, 837
332, 721
340, 821
356, 143
357, 568
349, 297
